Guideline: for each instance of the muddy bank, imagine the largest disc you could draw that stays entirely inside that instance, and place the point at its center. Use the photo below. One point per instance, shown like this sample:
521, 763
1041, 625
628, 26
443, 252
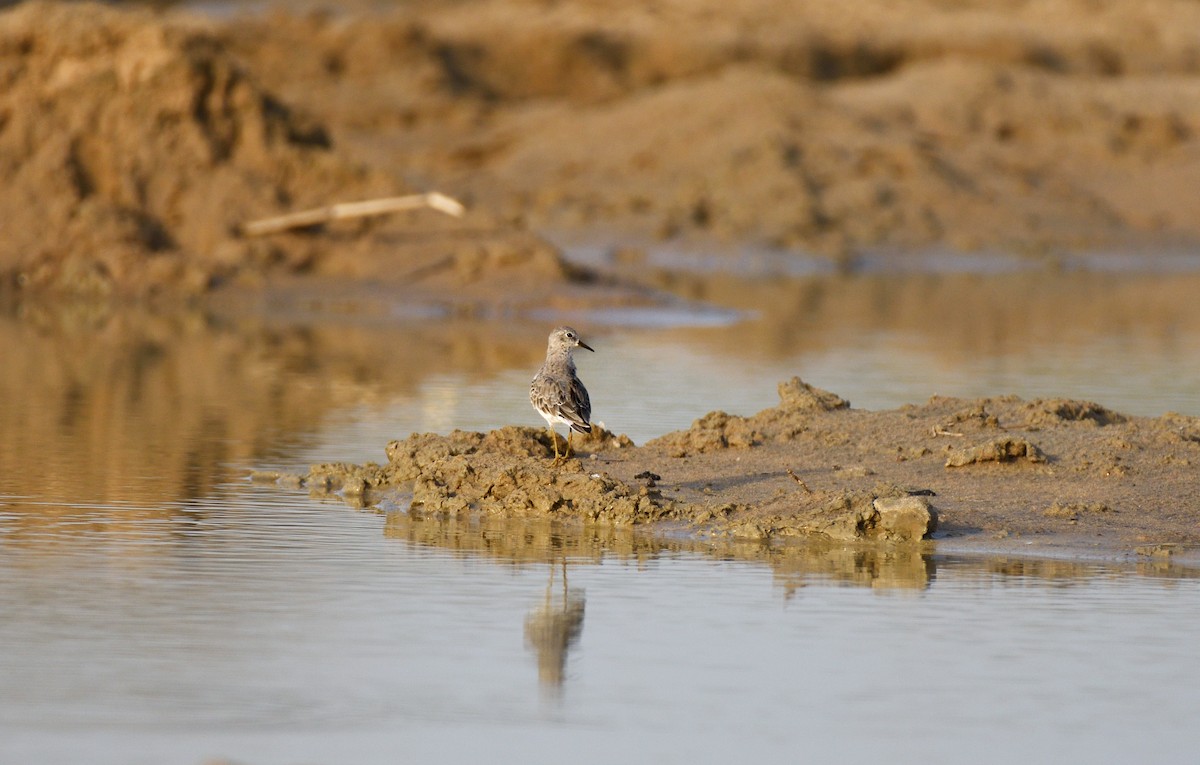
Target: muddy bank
995, 472
1005, 126
133, 146
134, 143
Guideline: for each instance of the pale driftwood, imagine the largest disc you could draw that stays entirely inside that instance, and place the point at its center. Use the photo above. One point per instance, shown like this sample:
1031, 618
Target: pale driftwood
938, 431
343, 210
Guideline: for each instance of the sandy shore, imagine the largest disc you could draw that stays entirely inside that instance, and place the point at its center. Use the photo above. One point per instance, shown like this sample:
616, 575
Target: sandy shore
1048, 475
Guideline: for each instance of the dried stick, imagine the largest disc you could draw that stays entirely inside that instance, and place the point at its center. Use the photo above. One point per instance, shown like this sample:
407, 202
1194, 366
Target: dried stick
792, 474
344, 210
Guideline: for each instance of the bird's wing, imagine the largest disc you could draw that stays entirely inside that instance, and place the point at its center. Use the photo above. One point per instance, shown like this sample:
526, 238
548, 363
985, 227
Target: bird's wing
568, 400
581, 407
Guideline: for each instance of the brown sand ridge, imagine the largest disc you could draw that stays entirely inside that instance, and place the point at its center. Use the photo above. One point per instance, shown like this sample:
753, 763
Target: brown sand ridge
133, 146
1046, 471
133, 143
814, 126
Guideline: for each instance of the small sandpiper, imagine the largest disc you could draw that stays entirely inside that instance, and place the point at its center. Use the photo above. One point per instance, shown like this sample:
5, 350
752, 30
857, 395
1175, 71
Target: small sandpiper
556, 392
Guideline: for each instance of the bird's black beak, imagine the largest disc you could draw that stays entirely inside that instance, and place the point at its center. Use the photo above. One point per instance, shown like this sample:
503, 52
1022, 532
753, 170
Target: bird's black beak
582, 344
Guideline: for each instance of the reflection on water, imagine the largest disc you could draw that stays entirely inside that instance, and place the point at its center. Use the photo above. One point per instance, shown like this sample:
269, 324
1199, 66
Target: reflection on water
523, 542
108, 415
159, 608
553, 627
882, 569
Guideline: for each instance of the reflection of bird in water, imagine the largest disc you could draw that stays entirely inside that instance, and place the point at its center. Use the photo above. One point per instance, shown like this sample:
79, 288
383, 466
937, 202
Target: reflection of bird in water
552, 628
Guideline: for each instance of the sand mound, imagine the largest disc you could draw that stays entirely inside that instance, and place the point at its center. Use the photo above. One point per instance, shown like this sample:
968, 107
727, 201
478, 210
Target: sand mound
130, 148
132, 145
811, 467
1011, 125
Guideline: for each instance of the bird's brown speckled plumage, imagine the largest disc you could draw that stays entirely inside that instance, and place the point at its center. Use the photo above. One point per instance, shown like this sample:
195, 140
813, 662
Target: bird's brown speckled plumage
556, 391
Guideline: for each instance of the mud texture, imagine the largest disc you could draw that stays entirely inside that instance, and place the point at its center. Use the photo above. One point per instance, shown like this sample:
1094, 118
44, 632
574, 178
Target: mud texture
133, 143
1048, 472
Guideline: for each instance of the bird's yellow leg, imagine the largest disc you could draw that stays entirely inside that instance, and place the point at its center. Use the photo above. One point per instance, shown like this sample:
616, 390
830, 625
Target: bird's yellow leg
570, 450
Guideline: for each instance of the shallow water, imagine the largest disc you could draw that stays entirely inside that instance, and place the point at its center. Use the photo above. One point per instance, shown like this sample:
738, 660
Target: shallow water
160, 608
273, 629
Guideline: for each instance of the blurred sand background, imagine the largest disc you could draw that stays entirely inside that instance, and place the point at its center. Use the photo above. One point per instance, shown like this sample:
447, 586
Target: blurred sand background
134, 141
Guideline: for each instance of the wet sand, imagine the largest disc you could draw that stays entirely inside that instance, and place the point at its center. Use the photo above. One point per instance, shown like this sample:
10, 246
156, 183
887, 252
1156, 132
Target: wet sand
1047, 475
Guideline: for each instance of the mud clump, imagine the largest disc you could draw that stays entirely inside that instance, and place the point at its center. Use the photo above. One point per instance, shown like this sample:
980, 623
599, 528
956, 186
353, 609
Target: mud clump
903, 518
1004, 449
885, 514
715, 431
799, 404
712, 432
797, 395
1069, 410
811, 468
410, 456
534, 488
508, 473
505, 471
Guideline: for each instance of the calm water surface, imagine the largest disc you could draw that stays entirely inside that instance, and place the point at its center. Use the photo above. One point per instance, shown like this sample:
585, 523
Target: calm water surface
272, 629
159, 608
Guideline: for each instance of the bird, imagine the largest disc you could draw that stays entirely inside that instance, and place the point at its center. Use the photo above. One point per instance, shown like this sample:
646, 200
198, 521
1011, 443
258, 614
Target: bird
557, 393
